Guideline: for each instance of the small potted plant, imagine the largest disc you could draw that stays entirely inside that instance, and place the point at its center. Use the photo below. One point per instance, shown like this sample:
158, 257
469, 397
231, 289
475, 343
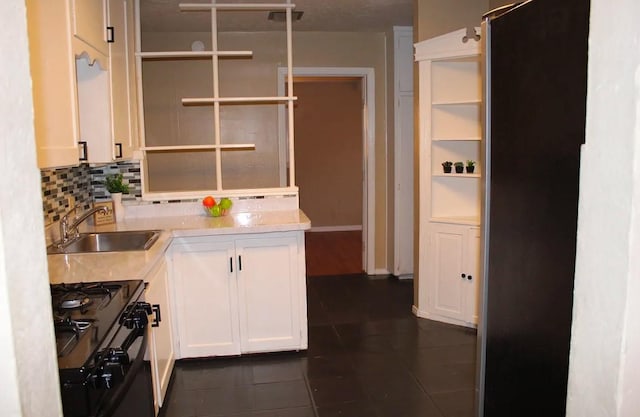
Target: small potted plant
446, 165
471, 165
116, 187
459, 167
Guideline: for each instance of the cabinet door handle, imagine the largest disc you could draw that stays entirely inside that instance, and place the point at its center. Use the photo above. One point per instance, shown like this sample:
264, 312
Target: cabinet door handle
118, 150
85, 155
239, 262
111, 36
157, 319
463, 276
230, 263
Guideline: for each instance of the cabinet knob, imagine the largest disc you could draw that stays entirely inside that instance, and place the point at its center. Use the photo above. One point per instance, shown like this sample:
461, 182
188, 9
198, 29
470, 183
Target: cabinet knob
463, 276
469, 277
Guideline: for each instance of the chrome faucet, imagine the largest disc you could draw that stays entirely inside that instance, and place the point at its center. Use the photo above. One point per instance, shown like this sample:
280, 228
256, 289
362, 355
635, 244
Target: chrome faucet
70, 232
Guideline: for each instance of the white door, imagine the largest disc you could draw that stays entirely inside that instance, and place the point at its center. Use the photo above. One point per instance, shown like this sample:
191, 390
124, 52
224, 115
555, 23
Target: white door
206, 298
268, 293
403, 152
403, 200
157, 294
447, 286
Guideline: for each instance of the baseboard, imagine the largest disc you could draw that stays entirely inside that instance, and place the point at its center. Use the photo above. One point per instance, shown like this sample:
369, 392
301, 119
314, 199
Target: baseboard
345, 228
379, 271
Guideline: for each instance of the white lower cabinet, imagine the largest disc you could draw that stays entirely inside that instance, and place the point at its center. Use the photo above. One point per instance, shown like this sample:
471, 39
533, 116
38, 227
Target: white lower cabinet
452, 290
161, 336
239, 294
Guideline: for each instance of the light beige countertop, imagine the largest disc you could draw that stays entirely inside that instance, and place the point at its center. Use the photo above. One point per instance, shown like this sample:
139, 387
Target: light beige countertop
112, 266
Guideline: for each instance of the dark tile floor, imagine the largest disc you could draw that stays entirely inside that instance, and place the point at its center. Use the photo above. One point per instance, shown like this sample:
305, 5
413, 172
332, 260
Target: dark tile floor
368, 356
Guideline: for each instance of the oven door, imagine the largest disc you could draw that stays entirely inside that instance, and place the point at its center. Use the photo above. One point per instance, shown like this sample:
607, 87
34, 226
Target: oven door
131, 395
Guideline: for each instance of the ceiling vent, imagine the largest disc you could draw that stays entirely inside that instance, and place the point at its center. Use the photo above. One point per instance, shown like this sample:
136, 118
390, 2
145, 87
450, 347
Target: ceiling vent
282, 16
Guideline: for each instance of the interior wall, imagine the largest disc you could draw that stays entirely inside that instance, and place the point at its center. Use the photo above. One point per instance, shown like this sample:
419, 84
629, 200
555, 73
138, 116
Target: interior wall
329, 151
605, 345
28, 374
437, 17
310, 49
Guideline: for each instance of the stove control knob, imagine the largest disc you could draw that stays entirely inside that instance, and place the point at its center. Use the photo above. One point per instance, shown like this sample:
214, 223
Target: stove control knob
136, 315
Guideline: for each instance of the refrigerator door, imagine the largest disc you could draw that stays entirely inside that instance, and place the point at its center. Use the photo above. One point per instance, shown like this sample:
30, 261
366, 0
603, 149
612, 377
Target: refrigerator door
536, 70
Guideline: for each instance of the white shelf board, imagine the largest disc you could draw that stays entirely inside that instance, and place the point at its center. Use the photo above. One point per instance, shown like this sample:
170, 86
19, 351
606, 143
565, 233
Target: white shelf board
212, 100
473, 102
235, 6
194, 54
454, 175
198, 147
466, 139
466, 220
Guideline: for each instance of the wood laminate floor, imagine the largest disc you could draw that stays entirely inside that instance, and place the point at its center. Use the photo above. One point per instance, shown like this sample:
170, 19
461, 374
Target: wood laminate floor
333, 253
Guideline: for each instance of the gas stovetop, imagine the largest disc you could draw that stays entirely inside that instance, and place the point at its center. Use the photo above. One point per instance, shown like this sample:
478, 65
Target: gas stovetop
85, 315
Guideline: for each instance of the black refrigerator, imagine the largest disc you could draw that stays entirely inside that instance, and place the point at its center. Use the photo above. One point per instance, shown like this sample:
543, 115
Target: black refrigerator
535, 84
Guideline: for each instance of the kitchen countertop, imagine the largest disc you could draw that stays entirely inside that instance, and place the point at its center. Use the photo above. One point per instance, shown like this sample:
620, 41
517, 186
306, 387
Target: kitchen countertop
110, 266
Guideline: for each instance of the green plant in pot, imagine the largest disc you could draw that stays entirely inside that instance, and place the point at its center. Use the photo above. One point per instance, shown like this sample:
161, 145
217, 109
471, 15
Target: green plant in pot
459, 167
471, 166
115, 184
446, 166
116, 187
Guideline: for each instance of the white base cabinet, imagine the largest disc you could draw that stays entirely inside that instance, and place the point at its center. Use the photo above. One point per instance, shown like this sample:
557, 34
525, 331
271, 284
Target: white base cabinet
161, 343
452, 286
239, 294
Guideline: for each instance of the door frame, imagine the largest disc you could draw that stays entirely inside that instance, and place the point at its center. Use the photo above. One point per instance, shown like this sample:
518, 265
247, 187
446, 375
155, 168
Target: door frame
368, 145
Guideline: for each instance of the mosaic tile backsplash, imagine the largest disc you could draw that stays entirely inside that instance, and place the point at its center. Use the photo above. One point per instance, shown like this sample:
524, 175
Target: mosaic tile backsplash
84, 184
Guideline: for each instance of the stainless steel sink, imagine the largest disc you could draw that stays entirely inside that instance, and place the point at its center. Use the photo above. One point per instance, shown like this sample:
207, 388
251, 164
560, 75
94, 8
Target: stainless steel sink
135, 240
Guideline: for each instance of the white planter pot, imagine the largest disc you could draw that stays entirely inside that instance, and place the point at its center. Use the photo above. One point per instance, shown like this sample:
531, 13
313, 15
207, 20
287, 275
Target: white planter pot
118, 208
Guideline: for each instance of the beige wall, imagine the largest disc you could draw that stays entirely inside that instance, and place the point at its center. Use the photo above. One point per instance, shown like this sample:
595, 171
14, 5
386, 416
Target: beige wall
437, 17
329, 149
311, 49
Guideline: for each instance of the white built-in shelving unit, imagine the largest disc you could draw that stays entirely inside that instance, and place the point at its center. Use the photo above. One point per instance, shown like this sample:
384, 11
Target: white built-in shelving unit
450, 105
216, 100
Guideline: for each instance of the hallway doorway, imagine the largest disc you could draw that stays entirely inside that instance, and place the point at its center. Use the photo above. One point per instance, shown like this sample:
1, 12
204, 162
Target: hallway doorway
334, 152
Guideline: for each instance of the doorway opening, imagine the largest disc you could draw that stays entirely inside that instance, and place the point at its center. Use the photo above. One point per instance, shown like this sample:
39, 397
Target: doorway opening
334, 164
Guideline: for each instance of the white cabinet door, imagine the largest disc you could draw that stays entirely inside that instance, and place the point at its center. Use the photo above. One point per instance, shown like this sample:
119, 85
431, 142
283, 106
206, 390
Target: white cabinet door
122, 74
447, 288
54, 83
89, 26
161, 347
472, 269
206, 297
454, 273
268, 294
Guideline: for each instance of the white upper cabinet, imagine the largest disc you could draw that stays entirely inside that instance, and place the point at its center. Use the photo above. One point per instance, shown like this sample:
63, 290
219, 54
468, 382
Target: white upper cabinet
89, 29
54, 83
84, 88
108, 100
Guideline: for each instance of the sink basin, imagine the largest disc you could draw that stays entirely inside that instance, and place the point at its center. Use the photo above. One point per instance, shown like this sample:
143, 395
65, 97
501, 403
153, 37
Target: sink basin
135, 240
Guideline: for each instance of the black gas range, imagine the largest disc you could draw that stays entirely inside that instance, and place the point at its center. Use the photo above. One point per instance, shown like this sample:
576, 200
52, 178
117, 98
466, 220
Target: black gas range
101, 340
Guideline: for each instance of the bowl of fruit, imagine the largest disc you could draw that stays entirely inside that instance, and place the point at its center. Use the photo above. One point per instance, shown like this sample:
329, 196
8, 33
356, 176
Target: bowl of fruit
213, 208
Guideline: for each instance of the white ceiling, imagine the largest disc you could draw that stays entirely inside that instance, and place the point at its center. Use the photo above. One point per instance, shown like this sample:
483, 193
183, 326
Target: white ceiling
319, 15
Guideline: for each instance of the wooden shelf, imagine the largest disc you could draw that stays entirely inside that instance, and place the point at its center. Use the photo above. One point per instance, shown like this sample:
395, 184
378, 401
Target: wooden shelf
212, 100
466, 139
198, 147
464, 220
232, 6
454, 175
194, 54
471, 102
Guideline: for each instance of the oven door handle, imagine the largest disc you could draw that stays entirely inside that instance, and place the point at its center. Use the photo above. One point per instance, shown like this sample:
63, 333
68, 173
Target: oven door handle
114, 400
